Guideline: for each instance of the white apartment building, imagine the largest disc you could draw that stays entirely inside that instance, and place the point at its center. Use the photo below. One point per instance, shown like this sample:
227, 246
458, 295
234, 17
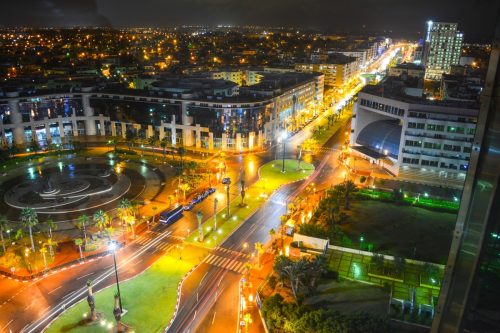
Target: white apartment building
413, 138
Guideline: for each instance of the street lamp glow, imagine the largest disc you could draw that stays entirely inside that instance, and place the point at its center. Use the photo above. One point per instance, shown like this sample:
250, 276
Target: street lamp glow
112, 246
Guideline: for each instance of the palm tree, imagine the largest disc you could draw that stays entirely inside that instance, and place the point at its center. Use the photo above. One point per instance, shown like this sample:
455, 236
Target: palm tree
50, 226
83, 221
181, 151
296, 273
101, 219
259, 247
154, 208
50, 243
79, 243
43, 251
29, 219
3, 225
110, 230
348, 187
184, 188
124, 208
163, 145
130, 221
281, 262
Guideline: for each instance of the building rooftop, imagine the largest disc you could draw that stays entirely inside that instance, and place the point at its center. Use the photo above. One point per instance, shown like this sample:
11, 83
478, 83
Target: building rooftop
396, 88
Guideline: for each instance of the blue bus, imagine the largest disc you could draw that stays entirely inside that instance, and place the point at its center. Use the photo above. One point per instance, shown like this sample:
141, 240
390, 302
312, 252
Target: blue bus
170, 216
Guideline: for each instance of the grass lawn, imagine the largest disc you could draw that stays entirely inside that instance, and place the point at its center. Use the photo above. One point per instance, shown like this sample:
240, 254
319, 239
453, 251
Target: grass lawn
149, 298
399, 231
349, 296
271, 178
327, 132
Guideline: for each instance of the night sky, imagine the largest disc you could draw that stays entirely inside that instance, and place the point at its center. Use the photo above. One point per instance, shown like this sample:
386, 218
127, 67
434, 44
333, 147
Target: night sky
404, 17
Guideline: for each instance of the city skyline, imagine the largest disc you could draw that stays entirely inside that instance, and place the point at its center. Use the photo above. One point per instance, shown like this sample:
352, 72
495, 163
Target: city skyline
356, 16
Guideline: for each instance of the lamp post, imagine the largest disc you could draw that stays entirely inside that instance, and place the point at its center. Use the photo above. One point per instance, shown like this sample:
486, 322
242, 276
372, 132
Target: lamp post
227, 196
113, 246
283, 138
199, 216
215, 214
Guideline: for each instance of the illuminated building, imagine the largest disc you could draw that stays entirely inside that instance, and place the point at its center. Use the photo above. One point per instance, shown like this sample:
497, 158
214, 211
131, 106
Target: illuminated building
443, 46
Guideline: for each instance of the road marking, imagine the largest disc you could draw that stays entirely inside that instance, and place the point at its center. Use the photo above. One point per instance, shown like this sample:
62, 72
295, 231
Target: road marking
50, 292
211, 258
7, 325
81, 277
203, 278
56, 309
216, 262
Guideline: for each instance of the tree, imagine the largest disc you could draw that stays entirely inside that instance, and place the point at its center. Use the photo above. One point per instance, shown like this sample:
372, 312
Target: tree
79, 243
51, 244
50, 226
29, 220
130, 221
101, 219
163, 145
43, 251
346, 188
83, 221
296, 273
242, 182
184, 188
91, 301
279, 263
110, 231
259, 247
3, 225
124, 209
272, 233
181, 151
299, 156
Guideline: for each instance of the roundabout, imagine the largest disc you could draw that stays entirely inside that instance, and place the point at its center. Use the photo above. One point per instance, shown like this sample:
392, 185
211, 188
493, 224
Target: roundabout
67, 188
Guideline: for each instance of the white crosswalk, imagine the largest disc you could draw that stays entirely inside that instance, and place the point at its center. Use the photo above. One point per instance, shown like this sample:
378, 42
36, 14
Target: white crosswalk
236, 253
226, 263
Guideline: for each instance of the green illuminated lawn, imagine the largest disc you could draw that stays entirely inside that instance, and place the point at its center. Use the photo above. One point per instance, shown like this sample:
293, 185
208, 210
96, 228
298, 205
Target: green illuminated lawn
149, 298
271, 178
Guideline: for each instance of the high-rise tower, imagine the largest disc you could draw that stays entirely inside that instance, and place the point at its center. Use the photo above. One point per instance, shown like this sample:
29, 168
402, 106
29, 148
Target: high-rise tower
443, 44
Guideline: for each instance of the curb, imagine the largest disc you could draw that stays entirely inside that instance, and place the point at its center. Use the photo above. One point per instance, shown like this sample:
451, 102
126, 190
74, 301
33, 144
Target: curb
179, 294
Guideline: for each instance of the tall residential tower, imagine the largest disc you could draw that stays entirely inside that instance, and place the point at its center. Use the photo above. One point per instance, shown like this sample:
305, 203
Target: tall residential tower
443, 45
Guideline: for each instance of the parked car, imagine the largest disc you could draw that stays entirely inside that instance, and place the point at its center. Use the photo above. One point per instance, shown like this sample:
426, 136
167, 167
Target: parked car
188, 207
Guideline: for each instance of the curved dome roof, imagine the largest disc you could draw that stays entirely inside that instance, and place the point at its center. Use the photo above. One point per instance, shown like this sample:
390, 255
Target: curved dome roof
381, 135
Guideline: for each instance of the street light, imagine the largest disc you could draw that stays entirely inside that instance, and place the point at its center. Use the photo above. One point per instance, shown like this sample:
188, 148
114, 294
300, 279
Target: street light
215, 213
113, 246
283, 138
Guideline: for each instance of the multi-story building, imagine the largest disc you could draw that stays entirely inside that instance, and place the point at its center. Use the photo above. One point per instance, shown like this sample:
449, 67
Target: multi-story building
241, 77
443, 45
408, 70
412, 137
339, 70
189, 111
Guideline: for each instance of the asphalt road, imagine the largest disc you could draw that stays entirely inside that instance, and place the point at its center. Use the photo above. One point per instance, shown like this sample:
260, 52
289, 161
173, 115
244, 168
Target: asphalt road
209, 301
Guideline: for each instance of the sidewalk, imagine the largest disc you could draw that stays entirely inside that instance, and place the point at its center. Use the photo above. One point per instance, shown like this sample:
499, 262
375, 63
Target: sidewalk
249, 298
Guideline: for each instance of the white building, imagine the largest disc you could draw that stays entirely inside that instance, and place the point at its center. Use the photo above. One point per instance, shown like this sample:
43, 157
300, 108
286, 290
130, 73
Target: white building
443, 46
413, 138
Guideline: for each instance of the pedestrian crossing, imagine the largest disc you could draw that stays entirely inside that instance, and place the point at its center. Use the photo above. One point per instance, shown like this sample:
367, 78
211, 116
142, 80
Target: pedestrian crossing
143, 240
232, 252
226, 263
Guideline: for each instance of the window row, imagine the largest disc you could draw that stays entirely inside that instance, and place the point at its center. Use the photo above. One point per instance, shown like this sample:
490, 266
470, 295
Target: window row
382, 107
